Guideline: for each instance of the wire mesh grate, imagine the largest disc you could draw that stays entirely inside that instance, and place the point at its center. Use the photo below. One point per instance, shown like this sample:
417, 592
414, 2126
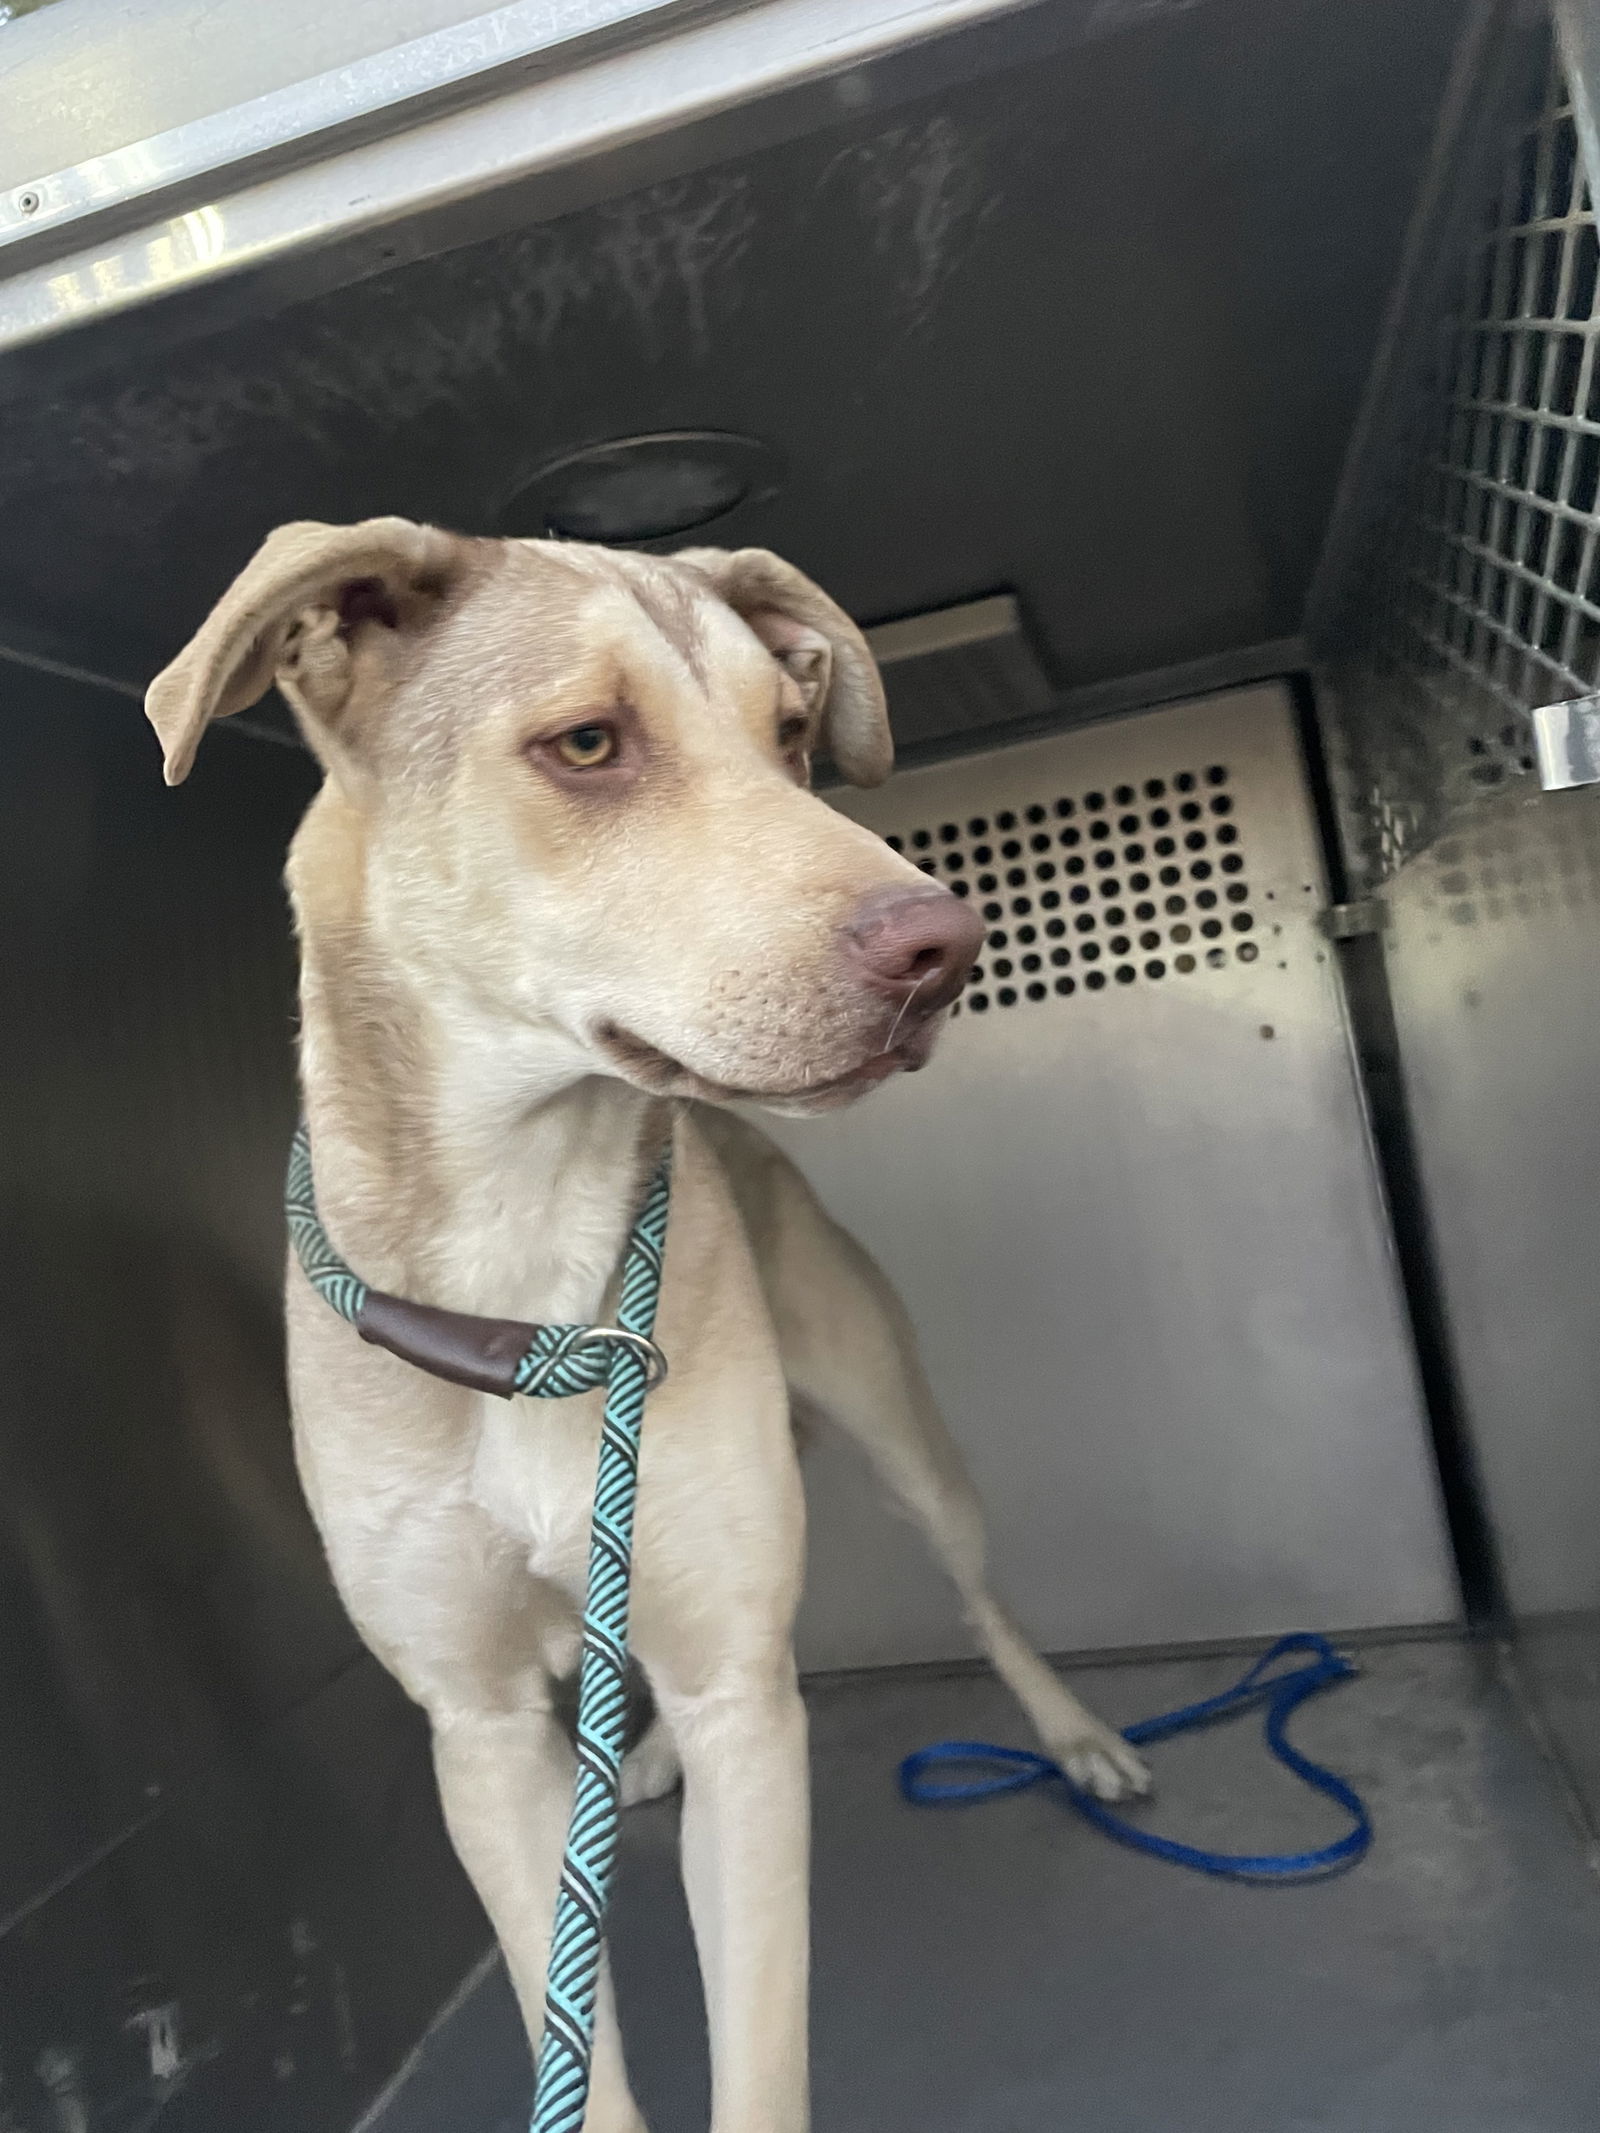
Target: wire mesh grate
1480, 597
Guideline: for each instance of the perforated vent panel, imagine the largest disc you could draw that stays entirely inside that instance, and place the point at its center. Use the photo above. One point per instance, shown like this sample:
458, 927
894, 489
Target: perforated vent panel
1084, 890
1479, 598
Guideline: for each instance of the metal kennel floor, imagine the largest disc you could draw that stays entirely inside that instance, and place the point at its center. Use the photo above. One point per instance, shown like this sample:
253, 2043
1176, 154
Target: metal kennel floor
1005, 1969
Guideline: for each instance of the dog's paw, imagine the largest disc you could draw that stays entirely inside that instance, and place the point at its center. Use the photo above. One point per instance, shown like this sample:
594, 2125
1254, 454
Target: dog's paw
651, 1770
1101, 1762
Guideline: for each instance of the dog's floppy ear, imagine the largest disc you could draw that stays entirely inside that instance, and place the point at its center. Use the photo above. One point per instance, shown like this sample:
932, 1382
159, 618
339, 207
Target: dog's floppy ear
294, 614
817, 643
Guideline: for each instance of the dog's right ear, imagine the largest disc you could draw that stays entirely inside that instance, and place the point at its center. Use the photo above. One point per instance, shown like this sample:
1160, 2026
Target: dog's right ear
297, 614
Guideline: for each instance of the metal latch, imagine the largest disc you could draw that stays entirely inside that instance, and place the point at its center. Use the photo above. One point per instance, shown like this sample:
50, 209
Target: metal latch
1353, 922
1567, 738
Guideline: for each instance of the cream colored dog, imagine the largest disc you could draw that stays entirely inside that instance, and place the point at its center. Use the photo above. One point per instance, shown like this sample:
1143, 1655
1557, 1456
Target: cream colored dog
564, 873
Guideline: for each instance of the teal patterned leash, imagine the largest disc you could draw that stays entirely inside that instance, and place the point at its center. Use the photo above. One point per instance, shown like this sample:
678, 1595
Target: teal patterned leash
554, 1361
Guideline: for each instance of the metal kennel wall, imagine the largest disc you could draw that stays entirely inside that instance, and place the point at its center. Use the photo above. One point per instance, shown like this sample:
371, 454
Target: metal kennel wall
1199, 398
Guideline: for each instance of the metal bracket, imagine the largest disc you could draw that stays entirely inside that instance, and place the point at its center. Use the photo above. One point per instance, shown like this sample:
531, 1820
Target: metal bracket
1354, 922
1567, 740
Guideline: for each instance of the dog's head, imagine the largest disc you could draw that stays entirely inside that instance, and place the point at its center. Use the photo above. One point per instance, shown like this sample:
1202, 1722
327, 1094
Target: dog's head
578, 784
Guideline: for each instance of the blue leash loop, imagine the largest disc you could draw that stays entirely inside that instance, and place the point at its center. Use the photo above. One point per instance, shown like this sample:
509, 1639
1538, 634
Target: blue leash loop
1282, 1692
555, 1362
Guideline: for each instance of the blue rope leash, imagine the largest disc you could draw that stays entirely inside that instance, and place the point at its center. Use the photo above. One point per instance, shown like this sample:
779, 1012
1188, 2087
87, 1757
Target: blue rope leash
555, 1362
1014, 1769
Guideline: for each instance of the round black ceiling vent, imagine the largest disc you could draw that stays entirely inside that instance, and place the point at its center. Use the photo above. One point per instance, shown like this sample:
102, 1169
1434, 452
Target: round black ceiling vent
643, 488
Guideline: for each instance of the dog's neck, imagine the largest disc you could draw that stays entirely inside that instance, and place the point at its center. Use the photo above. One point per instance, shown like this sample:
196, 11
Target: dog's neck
462, 1158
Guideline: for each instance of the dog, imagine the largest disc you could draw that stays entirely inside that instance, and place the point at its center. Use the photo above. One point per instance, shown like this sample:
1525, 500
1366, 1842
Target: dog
565, 893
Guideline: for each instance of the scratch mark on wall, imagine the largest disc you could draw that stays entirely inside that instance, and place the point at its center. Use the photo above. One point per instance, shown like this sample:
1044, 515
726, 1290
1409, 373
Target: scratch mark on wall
920, 188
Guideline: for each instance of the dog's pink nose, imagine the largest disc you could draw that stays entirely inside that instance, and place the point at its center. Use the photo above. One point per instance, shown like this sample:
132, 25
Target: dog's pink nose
915, 944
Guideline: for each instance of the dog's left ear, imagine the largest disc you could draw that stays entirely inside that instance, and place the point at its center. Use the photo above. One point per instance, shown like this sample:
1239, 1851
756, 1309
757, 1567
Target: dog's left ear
815, 641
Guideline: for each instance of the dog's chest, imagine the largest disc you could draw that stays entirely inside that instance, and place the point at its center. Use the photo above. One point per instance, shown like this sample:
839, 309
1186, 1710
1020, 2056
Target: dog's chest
533, 1474
533, 1468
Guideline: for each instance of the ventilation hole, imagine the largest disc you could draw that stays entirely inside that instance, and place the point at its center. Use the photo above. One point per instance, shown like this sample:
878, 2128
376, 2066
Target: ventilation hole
1045, 871
1133, 854
1216, 958
921, 839
1248, 951
961, 888
1144, 913
978, 826
988, 883
1124, 796
1005, 997
1011, 849
978, 1002
998, 939
1015, 877
1026, 935
1169, 875
1007, 821
927, 866
1088, 951
1054, 928
1211, 928
1149, 940
1128, 825
1094, 802
895, 844
1201, 870
1072, 866
1096, 981
1126, 973
948, 833
1205, 899
1232, 863
1066, 807
1060, 957
1070, 837
982, 855
1175, 904
955, 862
1105, 859
993, 911
1242, 922
1100, 828
1236, 892
1066, 987
1051, 900
1195, 841
1227, 833
1154, 788
1160, 819
1155, 969
1039, 842
1182, 933
1164, 847
1119, 944
1035, 813
1020, 906
1190, 811
1222, 804
1032, 962
1036, 991
1138, 883
1216, 775
1184, 781
1001, 968
1085, 922
1183, 964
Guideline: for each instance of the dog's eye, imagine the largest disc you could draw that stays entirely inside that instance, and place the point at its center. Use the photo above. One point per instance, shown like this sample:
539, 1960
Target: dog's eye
587, 747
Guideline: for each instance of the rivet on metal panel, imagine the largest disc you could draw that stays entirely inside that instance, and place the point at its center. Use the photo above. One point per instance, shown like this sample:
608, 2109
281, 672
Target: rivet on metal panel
1567, 741
1352, 922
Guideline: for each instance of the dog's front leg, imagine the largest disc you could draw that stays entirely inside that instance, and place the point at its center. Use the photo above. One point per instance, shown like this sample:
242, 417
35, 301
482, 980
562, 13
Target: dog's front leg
742, 1739
505, 1778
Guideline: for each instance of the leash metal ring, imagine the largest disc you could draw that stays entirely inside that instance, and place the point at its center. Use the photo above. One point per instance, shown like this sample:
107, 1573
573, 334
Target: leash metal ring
655, 1363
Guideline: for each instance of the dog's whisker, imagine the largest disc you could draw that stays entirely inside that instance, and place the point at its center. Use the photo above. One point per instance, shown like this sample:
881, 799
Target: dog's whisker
904, 1005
